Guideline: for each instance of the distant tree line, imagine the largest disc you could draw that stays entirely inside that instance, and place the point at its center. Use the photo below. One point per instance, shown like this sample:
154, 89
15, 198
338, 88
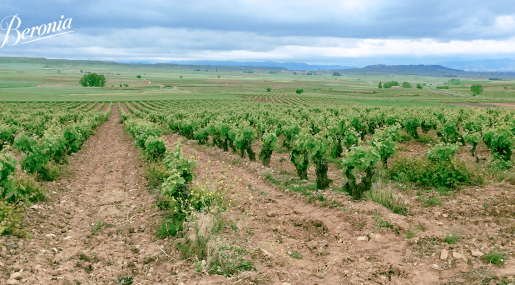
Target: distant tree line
389, 84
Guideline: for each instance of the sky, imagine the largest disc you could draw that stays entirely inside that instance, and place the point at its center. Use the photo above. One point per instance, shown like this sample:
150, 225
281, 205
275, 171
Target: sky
352, 33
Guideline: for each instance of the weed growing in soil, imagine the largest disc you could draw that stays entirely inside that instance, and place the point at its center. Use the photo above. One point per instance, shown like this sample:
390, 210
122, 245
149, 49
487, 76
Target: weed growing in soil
201, 199
335, 204
170, 227
155, 173
296, 255
380, 223
427, 139
11, 218
97, 227
496, 256
504, 280
51, 171
317, 197
304, 187
214, 254
124, 280
453, 237
233, 226
411, 232
438, 169
431, 201
228, 261
384, 196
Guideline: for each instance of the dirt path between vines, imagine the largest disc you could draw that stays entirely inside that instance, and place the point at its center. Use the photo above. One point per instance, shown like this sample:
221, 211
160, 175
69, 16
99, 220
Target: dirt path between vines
337, 247
98, 226
346, 245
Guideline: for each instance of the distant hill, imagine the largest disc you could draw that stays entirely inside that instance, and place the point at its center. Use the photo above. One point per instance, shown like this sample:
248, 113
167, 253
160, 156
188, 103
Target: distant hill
485, 65
428, 70
265, 67
425, 70
285, 65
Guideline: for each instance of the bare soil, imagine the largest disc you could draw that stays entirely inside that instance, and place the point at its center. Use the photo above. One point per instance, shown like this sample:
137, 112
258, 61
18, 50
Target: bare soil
98, 225
346, 246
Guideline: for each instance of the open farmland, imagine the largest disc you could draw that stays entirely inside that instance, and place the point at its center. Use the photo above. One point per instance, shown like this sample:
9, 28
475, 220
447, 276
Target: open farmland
34, 79
211, 179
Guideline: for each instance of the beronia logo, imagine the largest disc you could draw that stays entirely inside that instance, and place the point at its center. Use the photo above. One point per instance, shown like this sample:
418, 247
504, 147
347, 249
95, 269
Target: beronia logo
14, 35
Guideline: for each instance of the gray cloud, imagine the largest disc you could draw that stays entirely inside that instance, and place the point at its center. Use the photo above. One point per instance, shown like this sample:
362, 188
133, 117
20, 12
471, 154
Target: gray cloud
313, 31
442, 20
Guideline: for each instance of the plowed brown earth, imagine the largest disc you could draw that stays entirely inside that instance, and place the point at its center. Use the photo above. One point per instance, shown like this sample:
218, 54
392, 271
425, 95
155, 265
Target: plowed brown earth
347, 246
99, 224
327, 238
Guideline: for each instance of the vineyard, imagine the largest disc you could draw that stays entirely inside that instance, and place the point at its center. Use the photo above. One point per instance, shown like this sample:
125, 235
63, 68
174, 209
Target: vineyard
436, 151
357, 139
271, 189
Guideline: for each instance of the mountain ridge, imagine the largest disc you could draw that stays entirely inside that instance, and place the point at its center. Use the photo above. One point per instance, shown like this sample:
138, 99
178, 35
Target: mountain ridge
483, 65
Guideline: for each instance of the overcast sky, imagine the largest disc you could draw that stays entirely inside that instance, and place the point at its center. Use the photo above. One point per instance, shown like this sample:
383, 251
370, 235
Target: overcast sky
353, 33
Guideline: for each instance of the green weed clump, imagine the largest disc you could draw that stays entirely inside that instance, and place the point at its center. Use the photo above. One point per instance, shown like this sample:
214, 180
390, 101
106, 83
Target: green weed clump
16, 188
381, 223
386, 198
438, 169
431, 201
412, 231
10, 219
51, 171
496, 256
122, 280
155, 173
296, 255
453, 237
214, 254
97, 227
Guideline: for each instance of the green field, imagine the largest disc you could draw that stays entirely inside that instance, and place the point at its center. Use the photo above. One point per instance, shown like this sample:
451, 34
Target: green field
58, 80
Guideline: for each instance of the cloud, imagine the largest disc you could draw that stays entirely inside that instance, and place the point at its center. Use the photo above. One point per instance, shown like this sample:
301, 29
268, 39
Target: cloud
189, 44
311, 31
437, 19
